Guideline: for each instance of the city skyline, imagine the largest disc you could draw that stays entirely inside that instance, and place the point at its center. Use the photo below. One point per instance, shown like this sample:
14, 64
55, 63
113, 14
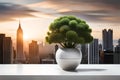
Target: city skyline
31, 19
92, 54
36, 16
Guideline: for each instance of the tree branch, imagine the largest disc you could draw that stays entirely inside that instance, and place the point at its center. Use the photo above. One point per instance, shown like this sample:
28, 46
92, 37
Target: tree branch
62, 45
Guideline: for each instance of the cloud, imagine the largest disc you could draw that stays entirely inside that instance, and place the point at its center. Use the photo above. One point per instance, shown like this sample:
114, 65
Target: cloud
20, 1
101, 11
90, 10
100, 4
10, 11
96, 16
112, 4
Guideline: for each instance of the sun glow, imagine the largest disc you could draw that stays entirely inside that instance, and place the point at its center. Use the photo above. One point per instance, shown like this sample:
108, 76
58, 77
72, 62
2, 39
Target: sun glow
25, 37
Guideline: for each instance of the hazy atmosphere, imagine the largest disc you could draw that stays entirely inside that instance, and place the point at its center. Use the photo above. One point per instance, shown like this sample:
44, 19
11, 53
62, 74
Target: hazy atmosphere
36, 15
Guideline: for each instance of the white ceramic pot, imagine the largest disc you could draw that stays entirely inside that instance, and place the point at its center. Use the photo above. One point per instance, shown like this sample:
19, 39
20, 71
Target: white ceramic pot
68, 58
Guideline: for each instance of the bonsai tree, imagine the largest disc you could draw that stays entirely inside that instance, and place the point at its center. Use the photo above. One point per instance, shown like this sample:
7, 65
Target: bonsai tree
69, 31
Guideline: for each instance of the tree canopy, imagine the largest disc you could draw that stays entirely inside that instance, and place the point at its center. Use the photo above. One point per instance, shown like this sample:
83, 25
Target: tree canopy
69, 31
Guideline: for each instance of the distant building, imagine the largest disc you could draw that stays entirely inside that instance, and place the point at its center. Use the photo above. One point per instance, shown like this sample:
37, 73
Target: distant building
2, 41
100, 47
47, 61
108, 57
34, 53
8, 51
101, 54
117, 53
107, 37
20, 57
101, 57
93, 52
5, 50
119, 42
14, 55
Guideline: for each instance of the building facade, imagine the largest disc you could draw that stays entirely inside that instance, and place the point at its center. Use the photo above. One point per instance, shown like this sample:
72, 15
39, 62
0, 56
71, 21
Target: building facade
107, 37
34, 53
93, 52
108, 57
117, 53
6, 50
2, 41
20, 57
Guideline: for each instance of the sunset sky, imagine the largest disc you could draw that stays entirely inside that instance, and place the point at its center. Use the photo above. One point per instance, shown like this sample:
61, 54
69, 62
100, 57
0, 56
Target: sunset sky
36, 15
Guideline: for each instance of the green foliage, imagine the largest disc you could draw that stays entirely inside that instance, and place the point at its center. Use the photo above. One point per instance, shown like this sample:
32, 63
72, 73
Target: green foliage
71, 36
69, 31
73, 23
54, 37
64, 28
64, 21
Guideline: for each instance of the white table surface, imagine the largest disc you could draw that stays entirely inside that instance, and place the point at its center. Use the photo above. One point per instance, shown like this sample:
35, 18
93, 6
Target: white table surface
53, 71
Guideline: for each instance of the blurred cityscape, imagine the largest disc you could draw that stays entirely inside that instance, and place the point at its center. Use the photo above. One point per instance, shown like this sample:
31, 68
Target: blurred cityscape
41, 53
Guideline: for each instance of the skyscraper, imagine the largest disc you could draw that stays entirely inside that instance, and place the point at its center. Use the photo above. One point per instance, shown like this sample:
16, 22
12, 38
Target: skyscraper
119, 42
107, 37
2, 39
110, 39
20, 58
101, 54
5, 50
108, 57
117, 53
104, 37
8, 51
34, 53
93, 54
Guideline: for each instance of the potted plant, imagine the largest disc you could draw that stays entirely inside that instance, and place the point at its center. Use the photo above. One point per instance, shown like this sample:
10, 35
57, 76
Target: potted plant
69, 31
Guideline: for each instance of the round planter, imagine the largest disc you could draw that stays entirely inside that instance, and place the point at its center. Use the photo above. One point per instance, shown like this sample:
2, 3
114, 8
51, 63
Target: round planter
68, 58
